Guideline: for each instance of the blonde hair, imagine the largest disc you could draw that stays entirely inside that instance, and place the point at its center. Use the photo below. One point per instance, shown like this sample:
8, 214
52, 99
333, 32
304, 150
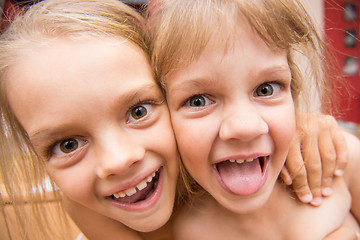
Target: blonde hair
22, 172
182, 29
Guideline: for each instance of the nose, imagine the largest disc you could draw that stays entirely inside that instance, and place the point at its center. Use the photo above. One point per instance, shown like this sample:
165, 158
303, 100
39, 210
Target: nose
242, 122
117, 154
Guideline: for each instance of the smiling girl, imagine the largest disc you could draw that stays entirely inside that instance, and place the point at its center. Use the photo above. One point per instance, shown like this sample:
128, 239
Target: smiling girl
79, 104
232, 87
76, 77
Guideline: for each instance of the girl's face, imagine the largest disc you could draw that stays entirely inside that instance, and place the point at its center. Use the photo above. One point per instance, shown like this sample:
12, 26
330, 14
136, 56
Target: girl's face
233, 117
94, 113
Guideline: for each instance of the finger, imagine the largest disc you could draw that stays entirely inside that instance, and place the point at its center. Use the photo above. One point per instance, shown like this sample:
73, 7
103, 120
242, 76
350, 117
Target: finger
296, 168
328, 159
342, 156
312, 161
342, 233
285, 176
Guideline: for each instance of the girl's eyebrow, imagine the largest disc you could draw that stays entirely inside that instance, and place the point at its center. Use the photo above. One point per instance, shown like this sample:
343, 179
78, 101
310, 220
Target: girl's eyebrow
49, 132
276, 69
194, 83
53, 132
200, 82
45, 135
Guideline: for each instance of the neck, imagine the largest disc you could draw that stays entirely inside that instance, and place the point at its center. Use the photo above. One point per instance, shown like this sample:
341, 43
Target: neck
272, 209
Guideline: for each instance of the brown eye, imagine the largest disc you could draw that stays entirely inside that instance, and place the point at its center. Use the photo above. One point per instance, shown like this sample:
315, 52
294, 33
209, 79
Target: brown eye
69, 145
140, 111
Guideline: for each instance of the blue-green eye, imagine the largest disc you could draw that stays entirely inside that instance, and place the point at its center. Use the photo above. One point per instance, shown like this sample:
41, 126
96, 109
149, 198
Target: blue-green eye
198, 101
267, 89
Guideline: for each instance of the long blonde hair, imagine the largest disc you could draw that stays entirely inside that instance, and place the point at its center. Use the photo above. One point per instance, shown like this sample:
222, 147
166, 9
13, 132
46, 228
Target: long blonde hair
182, 29
22, 172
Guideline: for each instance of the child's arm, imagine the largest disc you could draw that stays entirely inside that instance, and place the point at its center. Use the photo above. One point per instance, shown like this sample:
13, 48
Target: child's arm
352, 173
343, 233
317, 153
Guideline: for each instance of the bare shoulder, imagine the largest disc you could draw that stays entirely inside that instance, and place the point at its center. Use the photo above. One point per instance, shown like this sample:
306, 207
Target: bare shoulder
352, 176
195, 221
186, 223
352, 170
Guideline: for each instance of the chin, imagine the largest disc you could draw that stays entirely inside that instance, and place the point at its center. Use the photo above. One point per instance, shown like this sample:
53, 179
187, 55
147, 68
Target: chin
152, 223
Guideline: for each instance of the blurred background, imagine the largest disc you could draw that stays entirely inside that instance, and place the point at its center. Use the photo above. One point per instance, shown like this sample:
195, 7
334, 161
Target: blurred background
338, 20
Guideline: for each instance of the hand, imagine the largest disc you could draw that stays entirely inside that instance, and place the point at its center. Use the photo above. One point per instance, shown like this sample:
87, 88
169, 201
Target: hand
317, 153
343, 233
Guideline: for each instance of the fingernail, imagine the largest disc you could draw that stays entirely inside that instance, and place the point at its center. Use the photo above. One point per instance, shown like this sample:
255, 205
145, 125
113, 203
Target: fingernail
339, 172
327, 191
316, 201
358, 235
307, 198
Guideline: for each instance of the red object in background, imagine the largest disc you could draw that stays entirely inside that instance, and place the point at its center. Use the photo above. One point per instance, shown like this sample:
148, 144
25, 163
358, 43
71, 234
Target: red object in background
10, 9
342, 22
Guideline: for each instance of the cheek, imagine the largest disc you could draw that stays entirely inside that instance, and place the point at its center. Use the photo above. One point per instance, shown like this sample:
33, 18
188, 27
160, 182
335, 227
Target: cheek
75, 182
194, 142
161, 140
165, 137
283, 128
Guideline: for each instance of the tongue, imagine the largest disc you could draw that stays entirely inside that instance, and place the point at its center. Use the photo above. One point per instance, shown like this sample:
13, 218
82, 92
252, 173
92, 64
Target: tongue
241, 178
138, 196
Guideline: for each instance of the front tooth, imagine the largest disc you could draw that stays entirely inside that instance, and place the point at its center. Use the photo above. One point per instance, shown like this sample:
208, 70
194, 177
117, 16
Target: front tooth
149, 179
141, 185
240, 160
249, 160
119, 194
232, 160
131, 191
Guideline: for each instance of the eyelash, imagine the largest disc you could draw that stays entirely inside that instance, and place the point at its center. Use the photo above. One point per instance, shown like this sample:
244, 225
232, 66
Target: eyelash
187, 101
151, 103
279, 85
49, 151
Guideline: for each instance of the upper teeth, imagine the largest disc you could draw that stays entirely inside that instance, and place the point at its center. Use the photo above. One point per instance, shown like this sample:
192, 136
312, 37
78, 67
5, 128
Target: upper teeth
131, 191
242, 160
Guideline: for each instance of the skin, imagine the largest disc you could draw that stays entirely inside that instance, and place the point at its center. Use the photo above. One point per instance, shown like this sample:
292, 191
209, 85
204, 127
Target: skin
233, 122
219, 101
73, 201
318, 146
311, 174
94, 113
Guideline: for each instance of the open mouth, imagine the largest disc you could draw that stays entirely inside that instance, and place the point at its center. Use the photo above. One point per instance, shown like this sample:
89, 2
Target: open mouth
140, 192
242, 176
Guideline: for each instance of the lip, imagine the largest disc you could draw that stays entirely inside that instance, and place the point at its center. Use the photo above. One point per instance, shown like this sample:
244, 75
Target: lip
146, 204
132, 183
267, 158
